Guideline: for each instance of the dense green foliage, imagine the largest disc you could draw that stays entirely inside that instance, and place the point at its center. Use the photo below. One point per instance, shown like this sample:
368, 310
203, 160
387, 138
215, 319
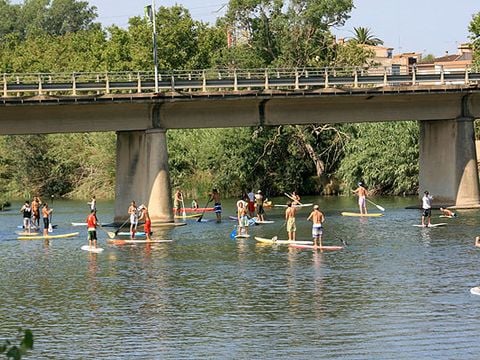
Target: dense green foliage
474, 28
62, 36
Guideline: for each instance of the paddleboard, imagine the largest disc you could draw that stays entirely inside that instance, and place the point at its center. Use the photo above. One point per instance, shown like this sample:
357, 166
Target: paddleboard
92, 249
85, 224
475, 290
296, 206
35, 227
282, 242
260, 222
239, 236
187, 216
431, 225
346, 213
58, 236
313, 247
251, 221
195, 209
26, 233
135, 241
446, 216
127, 233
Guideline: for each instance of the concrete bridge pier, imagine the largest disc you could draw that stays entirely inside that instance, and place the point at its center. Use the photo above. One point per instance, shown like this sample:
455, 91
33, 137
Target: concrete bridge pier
448, 162
142, 174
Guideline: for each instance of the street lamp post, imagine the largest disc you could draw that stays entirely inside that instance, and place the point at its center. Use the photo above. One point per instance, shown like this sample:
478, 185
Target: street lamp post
155, 58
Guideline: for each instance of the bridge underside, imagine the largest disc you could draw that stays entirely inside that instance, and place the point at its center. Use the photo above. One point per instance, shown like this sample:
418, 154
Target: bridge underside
448, 167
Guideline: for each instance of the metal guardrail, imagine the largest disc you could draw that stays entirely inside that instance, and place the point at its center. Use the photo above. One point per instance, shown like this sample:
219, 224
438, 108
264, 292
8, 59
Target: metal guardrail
211, 80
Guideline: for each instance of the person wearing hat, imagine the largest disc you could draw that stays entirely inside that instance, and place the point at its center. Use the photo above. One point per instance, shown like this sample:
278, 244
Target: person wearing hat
361, 192
317, 218
259, 205
427, 208
145, 216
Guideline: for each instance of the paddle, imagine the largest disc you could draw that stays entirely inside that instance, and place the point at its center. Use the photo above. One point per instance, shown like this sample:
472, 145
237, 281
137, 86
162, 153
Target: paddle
233, 234
204, 208
293, 199
110, 234
184, 213
378, 206
50, 226
121, 226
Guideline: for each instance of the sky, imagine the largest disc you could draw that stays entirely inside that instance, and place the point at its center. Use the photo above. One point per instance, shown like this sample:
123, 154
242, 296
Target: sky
426, 26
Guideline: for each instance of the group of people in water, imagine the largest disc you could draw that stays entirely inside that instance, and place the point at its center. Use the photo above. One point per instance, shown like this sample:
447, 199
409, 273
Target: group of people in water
32, 212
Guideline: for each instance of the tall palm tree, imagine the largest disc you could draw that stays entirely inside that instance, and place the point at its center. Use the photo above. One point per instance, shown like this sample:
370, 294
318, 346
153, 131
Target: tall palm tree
364, 36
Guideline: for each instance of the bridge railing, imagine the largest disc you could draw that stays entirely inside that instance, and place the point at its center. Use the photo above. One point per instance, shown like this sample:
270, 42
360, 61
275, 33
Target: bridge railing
214, 80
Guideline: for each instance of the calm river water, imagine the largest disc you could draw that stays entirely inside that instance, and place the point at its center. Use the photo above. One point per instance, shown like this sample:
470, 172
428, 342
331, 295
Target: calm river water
396, 292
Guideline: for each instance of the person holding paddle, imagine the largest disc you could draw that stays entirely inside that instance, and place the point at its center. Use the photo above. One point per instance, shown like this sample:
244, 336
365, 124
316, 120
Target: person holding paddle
132, 212
427, 208
259, 205
290, 219
317, 218
242, 217
215, 196
46, 212
177, 202
92, 223
144, 215
361, 192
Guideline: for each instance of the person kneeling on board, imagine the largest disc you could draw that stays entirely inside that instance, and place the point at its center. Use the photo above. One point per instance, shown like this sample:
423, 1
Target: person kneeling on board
447, 212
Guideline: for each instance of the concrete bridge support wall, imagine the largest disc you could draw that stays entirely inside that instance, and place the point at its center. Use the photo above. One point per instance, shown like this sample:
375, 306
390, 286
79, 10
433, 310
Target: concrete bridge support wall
448, 162
142, 174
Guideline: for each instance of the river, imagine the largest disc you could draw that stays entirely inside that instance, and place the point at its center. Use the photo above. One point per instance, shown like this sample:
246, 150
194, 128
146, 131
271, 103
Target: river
395, 292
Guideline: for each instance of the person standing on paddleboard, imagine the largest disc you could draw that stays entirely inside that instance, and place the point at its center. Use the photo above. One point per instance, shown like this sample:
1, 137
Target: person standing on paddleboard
36, 211
242, 217
145, 216
427, 208
361, 192
259, 205
290, 219
92, 229
295, 198
251, 203
27, 216
93, 203
317, 218
132, 212
177, 202
215, 196
46, 212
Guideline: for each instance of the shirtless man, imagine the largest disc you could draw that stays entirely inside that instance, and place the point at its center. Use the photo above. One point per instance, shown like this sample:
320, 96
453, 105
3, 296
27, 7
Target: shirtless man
215, 196
132, 212
290, 219
361, 192
46, 212
145, 216
317, 218
36, 211
295, 198
447, 212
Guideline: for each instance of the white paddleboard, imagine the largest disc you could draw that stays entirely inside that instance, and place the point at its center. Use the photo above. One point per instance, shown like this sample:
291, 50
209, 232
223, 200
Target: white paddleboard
431, 225
274, 241
263, 222
475, 290
296, 206
92, 249
136, 241
242, 236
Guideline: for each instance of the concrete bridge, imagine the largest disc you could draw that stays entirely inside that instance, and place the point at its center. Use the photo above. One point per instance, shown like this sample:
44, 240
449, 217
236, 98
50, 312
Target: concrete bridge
446, 105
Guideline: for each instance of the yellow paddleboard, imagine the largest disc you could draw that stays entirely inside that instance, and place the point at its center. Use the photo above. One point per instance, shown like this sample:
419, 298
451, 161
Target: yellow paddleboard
346, 213
59, 236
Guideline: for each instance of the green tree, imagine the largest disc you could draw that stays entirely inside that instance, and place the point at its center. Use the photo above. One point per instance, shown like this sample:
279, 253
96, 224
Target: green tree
474, 29
364, 36
383, 155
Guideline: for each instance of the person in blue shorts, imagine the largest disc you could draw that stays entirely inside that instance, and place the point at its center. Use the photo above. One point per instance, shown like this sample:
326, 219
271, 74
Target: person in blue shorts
215, 197
317, 218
